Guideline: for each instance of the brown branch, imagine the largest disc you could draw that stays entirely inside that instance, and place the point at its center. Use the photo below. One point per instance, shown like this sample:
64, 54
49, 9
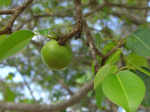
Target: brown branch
6, 12
120, 43
117, 14
61, 15
129, 17
78, 27
113, 50
28, 87
69, 15
146, 11
61, 81
106, 4
90, 39
127, 6
48, 108
94, 50
99, 8
17, 12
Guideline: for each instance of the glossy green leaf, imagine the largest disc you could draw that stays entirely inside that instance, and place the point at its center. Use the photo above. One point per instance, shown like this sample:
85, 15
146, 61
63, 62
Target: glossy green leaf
108, 47
114, 58
48, 33
84, 1
44, 32
98, 40
99, 96
131, 2
14, 43
139, 41
124, 89
104, 72
9, 95
84, 78
143, 70
99, 1
146, 79
5, 2
100, 76
2, 38
93, 67
136, 60
10, 76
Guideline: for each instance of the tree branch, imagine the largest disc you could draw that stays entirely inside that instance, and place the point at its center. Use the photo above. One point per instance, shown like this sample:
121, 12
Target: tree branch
113, 50
6, 12
61, 81
61, 15
90, 39
94, 50
127, 6
49, 108
17, 12
28, 87
129, 17
78, 27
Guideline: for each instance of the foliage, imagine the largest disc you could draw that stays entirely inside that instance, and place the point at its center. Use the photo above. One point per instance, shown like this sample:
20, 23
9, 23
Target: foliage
113, 49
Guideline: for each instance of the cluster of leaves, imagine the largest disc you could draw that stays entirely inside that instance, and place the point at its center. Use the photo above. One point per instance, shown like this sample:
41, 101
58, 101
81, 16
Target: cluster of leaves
124, 87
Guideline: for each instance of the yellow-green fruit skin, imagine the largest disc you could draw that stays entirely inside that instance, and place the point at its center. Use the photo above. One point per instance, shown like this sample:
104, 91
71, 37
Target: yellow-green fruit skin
56, 56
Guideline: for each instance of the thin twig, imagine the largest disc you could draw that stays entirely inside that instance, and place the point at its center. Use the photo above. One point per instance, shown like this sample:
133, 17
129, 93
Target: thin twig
61, 81
94, 50
29, 88
6, 12
127, 6
78, 27
76, 98
113, 50
18, 11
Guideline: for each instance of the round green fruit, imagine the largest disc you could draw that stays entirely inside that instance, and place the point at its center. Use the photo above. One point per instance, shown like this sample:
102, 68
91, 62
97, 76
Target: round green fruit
56, 56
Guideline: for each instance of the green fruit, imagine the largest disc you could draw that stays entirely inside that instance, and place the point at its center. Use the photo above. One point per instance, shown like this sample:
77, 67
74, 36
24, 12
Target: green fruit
56, 56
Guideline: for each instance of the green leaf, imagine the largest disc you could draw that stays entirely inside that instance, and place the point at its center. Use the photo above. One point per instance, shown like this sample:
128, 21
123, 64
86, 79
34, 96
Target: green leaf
5, 2
136, 60
93, 67
99, 96
131, 2
146, 79
100, 76
9, 95
124, 89
108, 47
29, 101
44, 32
104, 72
84, 1
86, 77
2, 38
114, 58
100, 1
98, 40
139, 42
10, 76
143, 70
48, 33
14, 43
